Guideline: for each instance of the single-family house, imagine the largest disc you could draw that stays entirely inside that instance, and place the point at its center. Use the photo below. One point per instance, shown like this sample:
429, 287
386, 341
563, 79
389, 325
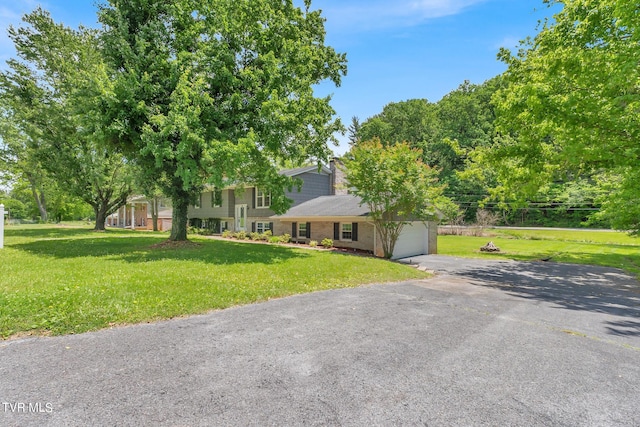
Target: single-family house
249, 208
321, 209
137, 214
346, 220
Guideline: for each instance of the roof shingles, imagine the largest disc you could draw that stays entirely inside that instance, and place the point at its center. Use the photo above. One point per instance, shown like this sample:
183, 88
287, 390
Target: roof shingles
328, 206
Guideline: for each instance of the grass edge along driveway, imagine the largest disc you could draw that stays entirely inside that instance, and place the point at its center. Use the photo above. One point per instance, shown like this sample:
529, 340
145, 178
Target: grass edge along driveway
591, 247
61, 280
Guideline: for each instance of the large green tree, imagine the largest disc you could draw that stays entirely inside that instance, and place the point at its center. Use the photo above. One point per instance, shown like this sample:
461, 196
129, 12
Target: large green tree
395, 184
414, 120
52, 96
218, 92
445, 131
19, 161
572, 105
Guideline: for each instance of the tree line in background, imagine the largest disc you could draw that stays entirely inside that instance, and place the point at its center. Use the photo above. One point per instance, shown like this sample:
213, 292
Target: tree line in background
169, 96
553, 141
455, 136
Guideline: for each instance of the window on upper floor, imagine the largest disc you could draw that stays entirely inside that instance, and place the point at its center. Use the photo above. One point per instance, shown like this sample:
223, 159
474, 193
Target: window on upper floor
216, 198
263, 199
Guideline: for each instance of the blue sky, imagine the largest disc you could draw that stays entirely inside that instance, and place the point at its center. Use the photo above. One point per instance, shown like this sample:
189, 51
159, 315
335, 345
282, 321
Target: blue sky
397, 49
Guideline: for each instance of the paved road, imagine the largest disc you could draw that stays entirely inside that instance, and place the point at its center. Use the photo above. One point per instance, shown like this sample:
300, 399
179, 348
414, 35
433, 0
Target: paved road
481, 344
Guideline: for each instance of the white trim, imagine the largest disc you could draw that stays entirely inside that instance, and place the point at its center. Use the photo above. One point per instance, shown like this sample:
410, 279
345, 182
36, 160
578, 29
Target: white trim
264, 199
313, 168
301, 223
265, 226
342, 224
237, 221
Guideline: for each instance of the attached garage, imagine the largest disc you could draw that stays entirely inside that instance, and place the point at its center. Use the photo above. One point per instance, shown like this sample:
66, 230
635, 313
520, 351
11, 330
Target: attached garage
413, 240
346, 220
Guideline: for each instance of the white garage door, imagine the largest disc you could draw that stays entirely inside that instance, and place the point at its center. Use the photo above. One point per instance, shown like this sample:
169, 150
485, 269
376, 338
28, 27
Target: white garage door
413, 240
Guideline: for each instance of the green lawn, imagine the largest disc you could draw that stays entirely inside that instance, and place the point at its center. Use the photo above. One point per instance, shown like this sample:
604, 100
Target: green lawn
611, 249
60, 280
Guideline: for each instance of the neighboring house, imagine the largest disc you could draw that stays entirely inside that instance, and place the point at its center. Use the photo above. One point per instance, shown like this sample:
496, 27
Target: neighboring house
136, 214
249, 208
321, 209
346, 220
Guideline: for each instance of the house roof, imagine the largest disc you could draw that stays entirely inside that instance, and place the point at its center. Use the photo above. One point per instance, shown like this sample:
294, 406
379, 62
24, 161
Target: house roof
286, 172
346, 205
300, 171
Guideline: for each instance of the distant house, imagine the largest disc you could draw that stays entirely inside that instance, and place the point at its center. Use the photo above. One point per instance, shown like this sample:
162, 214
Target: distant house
321, 209
136, 214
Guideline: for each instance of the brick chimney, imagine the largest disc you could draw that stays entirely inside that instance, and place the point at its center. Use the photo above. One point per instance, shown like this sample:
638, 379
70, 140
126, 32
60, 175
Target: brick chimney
338, 182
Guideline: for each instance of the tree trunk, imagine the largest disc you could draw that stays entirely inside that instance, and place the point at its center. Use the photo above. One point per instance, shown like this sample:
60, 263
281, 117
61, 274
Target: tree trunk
101, 216
39, 198
154, 212
179, 224
388, 231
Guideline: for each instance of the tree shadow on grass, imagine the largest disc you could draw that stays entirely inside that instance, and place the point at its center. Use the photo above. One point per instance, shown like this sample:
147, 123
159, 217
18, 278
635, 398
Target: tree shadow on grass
63, 232
138, 249
570, 286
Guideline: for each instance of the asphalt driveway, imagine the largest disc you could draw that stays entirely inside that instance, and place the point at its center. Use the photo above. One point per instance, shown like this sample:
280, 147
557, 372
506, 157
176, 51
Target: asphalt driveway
482, 343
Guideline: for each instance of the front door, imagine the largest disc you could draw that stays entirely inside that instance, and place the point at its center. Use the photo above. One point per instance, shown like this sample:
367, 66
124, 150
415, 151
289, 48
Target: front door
241, 218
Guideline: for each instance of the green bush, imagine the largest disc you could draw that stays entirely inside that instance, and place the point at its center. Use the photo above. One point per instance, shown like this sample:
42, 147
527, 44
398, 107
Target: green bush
313, 243
227, 234
274, 239
285, 238
241, 235
255, 236
327, 242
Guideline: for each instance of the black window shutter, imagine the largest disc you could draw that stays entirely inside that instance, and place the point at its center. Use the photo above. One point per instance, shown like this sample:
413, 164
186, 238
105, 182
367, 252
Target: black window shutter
253, 198
271, 226
253, 227
354, 231
308, 230
294, 229
336, 231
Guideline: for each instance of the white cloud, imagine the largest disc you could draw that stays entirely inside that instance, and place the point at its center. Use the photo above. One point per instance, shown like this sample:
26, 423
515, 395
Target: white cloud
357, 15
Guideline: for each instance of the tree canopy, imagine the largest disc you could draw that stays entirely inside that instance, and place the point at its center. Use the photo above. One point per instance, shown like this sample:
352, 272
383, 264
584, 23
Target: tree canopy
218, 92
395, 184
51, 118
445, 132
572, 105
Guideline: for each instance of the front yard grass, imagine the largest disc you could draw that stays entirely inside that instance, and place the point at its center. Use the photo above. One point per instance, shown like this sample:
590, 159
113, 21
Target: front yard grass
610, 249
60, 280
